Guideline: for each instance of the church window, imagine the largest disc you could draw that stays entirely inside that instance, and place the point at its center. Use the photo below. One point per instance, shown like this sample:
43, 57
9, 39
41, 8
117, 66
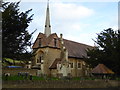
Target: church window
55, 42
79, 65
39, 42
40, 59
71, 65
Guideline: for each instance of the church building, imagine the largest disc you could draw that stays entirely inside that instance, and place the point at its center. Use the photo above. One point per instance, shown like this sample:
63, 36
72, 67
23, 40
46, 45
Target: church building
56, 56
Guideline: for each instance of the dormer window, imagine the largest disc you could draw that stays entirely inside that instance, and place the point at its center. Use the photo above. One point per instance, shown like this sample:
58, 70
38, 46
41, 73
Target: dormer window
55, 42
39, 42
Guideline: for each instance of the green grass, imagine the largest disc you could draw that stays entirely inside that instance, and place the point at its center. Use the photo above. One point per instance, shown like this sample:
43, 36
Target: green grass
9, 61
76, 78
38, 78
118, 79
54, 78
12, 61
15, 77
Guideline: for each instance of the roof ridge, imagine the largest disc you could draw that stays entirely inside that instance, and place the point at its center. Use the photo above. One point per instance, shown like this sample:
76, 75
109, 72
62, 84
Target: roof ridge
78, 42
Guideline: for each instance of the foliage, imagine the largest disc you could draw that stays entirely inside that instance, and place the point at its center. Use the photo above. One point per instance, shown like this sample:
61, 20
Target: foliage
8, 62
107, 50
15, 36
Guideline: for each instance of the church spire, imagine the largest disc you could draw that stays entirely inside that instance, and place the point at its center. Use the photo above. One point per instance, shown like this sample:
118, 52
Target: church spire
47, 31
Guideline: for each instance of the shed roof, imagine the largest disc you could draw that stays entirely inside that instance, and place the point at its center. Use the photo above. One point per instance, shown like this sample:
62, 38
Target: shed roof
102, 69
54, 64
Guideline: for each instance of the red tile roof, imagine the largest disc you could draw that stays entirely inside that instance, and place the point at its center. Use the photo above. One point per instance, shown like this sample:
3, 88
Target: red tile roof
46, 41
102, 69
54, 64
75, 49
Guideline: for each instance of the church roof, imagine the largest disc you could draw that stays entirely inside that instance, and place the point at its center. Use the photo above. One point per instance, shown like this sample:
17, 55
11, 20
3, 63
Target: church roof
102, 69
75, 49
54, 64
45, 41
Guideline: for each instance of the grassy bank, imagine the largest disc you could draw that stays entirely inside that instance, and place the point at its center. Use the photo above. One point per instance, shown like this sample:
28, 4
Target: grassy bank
16, 77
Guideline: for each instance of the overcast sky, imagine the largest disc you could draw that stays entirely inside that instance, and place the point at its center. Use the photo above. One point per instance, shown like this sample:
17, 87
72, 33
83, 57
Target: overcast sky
77, 21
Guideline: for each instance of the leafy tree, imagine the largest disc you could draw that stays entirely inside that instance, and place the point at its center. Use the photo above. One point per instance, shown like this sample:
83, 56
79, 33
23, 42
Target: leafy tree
107, 50
15, 36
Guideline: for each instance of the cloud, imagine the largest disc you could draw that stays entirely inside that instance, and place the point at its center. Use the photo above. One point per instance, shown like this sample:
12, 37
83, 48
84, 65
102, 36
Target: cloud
66, 19
86, 38
75, 21
70, 11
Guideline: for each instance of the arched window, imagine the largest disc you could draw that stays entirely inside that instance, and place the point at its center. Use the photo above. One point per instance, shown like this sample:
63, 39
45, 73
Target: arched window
40, 59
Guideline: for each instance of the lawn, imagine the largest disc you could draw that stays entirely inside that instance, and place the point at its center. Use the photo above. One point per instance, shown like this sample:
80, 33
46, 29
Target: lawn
8, 61
36, 78
12, 61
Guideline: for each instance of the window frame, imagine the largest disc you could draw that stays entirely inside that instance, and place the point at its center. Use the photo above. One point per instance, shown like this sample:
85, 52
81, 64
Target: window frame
79, 65
71, 65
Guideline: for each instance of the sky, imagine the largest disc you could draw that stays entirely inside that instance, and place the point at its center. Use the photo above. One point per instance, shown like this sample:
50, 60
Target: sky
77, 20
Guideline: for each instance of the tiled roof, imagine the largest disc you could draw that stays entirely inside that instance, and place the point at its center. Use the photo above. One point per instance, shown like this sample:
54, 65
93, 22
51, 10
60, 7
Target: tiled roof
75, 49
102, 69
54, 64
46, 41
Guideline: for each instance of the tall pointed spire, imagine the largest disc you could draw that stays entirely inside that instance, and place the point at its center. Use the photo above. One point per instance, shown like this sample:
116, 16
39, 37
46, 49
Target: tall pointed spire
47, 31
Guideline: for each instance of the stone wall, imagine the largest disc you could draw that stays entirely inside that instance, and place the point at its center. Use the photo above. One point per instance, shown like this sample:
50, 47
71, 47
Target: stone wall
50, 54
75, 71
110, 85
15, 71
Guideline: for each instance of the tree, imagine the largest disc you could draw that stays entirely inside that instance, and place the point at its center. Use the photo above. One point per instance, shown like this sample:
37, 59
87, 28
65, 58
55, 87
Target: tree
15, 36
107, 50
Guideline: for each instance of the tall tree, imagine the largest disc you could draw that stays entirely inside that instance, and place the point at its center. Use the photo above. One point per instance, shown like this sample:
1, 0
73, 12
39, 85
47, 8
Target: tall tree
15, 36
107, 50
